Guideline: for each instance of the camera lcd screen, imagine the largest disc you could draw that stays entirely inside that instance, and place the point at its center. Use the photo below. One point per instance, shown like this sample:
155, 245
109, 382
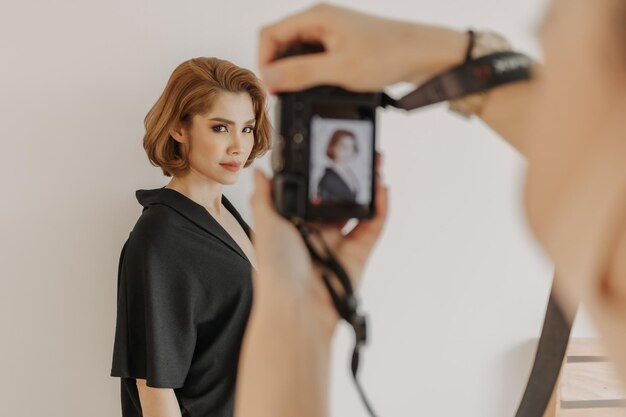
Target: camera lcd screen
341, 160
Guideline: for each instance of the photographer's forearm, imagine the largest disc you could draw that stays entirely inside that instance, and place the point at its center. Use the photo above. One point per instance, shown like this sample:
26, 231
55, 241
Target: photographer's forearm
505, 109
285, 359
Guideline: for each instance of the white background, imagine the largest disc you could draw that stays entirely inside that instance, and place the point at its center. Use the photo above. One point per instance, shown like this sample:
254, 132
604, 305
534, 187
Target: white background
457, 287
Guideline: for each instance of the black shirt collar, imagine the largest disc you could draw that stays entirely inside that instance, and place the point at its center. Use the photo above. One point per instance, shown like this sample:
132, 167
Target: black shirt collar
195, 213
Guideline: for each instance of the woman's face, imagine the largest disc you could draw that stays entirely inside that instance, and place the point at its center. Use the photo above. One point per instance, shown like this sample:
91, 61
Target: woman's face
580, 113
345, 149
219, 142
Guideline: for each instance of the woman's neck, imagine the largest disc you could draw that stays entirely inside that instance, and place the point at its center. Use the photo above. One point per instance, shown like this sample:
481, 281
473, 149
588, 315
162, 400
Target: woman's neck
201, 190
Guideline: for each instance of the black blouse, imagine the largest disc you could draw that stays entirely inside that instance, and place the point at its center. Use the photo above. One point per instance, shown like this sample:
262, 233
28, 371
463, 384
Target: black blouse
332, 188
184, 297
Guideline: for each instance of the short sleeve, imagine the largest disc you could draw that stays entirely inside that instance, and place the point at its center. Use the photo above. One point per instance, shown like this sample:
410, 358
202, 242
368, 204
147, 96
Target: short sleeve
155, 333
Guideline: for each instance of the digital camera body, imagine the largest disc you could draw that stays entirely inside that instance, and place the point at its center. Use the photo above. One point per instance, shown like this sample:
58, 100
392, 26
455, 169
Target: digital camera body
324, 152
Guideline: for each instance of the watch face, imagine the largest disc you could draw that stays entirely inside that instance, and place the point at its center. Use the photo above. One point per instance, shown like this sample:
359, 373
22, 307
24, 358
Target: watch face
486, 43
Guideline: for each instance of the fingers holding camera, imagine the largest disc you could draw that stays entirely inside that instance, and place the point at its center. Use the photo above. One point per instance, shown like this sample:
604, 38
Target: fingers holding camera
297, 73
306, 25
281, 252
358, 244
282, 256
354, 248
353, 42
362, 52
261, 200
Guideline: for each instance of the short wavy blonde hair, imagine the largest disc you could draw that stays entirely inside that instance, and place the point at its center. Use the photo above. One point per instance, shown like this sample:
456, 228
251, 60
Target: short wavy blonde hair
192, 89
331, 148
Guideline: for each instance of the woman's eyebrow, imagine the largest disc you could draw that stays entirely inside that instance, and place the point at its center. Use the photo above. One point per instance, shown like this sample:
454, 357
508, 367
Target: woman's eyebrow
229, 122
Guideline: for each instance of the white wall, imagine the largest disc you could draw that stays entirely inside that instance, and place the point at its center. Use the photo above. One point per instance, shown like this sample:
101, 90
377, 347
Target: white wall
456, 290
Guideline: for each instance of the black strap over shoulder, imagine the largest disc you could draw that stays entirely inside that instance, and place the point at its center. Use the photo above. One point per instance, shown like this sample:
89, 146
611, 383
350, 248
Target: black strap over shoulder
344, 299
548, 359
473, 76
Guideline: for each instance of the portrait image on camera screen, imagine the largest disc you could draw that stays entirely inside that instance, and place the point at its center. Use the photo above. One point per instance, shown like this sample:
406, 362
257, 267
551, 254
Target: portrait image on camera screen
323, 160
341, 161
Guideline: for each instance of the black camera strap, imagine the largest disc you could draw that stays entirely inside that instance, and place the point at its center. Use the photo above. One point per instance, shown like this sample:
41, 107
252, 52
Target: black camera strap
557, 325
473, 76
548, 358
345, 301
476, 76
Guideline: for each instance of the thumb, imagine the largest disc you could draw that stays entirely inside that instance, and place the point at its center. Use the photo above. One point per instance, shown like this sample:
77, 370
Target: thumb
261, 201
300, 72
261, 197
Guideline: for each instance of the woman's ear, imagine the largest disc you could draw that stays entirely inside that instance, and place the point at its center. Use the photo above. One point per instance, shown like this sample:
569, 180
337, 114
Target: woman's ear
179, 134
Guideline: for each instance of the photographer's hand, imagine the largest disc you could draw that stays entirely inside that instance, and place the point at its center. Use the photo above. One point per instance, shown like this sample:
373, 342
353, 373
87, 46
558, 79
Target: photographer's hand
285, 356
362, 52
367, 53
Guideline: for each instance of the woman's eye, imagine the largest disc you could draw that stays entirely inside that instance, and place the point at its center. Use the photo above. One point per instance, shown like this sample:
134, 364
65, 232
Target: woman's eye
220, 128
248, 129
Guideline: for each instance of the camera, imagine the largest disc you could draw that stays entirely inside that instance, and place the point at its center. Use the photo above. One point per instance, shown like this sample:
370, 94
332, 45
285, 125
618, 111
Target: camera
324, 151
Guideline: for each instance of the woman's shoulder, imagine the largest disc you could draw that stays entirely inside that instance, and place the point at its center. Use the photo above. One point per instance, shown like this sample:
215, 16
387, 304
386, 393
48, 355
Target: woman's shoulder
329, 172
330, 176
158, 226
157, 220
154, 243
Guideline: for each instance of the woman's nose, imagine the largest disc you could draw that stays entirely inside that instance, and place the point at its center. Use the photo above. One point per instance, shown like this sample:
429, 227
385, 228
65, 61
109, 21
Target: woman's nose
236, 143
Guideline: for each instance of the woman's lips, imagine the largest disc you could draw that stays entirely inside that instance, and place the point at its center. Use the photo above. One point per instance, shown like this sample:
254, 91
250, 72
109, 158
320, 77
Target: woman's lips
232, 167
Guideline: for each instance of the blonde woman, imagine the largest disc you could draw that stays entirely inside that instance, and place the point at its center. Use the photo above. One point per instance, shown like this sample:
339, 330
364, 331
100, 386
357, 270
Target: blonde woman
184, 285
339, 183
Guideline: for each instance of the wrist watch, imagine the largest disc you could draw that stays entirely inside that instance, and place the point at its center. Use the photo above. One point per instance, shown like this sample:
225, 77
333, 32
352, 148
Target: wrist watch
480, 44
